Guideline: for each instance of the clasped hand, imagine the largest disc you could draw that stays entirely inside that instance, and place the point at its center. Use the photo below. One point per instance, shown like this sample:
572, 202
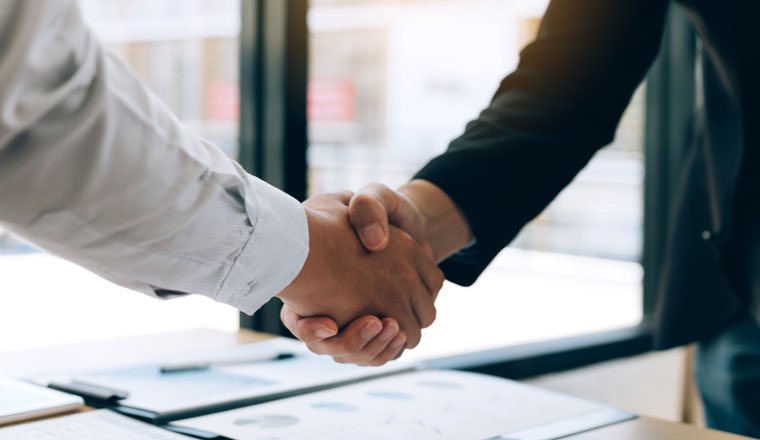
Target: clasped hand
388, 280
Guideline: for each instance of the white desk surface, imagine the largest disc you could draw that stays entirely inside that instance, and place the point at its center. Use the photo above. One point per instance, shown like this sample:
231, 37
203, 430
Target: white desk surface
104, 354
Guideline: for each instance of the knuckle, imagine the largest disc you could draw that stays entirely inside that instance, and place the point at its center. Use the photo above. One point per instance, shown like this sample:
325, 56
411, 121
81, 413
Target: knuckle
293, 328
439, 275
345, 194
303, 333
385, 357
363, 359
413, 338
377, 187
288, 319
350, 346
314, 348
406, 239
375, 363
439, 281
361, 200
341, 360
430, 318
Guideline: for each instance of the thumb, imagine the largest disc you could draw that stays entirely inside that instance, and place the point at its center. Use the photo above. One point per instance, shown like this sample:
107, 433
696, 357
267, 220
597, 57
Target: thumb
369, 216
373, 207
312, 329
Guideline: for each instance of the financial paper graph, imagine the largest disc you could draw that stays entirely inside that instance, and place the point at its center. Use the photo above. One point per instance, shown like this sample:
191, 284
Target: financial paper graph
423, 405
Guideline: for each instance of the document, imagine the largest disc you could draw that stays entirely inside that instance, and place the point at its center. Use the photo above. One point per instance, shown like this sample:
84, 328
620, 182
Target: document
420, 405
21, 401
182, 394
92, 425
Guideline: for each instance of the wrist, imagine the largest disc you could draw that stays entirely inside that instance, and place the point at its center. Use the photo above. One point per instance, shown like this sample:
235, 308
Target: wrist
446, 227
294, 291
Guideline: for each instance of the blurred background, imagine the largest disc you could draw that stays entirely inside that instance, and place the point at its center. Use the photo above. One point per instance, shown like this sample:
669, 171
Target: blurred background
390, 83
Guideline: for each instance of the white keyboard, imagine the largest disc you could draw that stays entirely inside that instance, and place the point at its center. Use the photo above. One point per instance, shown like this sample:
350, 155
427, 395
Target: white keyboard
93, 425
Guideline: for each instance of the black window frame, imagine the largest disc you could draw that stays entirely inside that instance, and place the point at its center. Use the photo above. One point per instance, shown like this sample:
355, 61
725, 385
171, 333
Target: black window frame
273, 79
273, 143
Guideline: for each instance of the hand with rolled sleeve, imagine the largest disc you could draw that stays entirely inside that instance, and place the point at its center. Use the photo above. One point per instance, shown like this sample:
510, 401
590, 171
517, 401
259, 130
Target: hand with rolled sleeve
342, 280
96, 169
425, 212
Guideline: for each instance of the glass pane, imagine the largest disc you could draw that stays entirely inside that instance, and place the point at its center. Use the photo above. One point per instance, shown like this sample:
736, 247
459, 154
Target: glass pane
393, 82
187, 53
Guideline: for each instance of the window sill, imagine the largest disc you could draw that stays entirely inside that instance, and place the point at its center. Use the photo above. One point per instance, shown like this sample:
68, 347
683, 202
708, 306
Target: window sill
529, 360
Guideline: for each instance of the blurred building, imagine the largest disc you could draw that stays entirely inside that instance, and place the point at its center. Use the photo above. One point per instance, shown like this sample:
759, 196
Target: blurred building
393, 82
187, 53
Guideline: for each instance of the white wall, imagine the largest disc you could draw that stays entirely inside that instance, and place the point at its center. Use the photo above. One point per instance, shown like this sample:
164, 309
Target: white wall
653, 384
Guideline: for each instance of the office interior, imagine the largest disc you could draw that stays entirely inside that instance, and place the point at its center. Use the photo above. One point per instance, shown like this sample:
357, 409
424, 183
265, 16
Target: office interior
384, 86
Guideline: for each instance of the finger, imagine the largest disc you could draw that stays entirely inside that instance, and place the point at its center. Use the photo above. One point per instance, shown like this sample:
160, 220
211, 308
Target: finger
374, 206
376, 345
309, 330
430, 273
369, 216
410, 323
352, 339
391, 352
400, 352
428, 248
423, 306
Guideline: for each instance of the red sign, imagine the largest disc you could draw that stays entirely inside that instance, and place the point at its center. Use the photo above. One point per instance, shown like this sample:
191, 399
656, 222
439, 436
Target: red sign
331, 101
223, 101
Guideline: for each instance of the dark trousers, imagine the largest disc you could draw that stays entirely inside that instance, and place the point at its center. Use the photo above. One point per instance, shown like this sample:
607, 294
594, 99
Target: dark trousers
728, 378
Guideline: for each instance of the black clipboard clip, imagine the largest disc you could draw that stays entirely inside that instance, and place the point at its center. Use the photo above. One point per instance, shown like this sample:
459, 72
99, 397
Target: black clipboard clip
93, 395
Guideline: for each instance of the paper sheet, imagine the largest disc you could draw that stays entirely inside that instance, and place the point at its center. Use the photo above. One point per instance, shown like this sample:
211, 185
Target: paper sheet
21, 400
169, 393
420, 405
92, 425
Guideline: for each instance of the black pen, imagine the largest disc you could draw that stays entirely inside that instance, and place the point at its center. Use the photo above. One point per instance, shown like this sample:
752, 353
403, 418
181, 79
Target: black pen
197, 366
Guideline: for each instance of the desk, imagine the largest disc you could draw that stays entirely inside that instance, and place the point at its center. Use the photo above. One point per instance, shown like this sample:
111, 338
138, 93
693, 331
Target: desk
106, 354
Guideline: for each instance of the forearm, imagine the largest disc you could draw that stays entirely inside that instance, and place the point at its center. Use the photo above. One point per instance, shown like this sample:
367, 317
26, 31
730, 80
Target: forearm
446, 226
546, 122
94, 168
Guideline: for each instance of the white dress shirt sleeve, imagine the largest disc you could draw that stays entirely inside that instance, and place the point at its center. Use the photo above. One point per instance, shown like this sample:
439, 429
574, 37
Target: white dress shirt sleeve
94, 168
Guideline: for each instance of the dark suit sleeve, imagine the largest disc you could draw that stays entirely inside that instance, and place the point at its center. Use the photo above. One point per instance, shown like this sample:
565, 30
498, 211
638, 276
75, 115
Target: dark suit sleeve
546, 121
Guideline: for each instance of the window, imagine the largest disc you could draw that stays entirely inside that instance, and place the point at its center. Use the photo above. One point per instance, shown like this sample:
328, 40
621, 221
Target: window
391, 83
187, 52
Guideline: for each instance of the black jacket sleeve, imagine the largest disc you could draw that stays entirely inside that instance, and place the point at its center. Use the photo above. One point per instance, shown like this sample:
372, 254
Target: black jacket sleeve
546, 121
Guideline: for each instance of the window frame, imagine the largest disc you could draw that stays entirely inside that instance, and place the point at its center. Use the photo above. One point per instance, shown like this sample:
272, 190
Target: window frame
273, 79
273, 143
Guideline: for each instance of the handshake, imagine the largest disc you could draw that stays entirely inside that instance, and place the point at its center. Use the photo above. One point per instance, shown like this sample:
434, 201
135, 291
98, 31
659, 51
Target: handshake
371, 278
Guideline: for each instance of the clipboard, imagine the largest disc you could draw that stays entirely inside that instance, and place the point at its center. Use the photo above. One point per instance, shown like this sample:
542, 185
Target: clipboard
23, 401
145, 393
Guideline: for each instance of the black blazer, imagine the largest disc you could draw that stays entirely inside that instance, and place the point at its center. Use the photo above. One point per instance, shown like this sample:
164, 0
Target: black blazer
564, 102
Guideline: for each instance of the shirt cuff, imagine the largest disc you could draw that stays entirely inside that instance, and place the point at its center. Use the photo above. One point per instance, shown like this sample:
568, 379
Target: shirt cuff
275, 252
